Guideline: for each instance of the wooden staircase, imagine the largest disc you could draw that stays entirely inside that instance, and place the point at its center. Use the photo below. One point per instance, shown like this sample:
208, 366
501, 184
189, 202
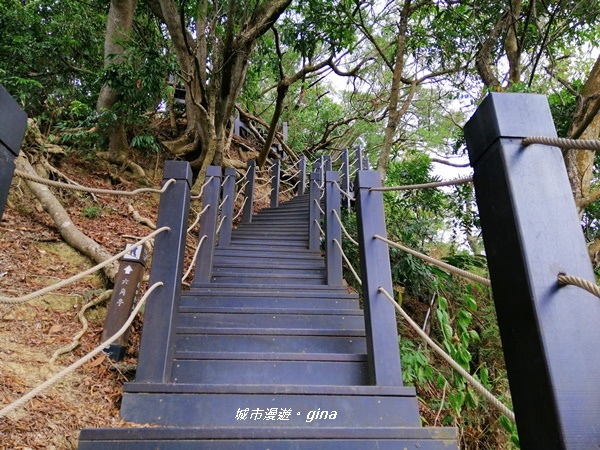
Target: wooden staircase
267, 355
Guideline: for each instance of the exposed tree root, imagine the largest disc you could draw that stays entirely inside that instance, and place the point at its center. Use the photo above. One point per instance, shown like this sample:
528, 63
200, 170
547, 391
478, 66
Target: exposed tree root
123, 161
139, 219
81, 316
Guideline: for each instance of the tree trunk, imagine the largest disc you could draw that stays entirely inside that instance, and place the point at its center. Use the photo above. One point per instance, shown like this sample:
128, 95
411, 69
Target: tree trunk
213, 66
71, 234
118, 27
395, 114
585, 125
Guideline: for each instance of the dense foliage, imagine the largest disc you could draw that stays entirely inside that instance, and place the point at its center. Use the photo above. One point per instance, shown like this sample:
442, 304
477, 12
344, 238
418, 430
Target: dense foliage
330, 69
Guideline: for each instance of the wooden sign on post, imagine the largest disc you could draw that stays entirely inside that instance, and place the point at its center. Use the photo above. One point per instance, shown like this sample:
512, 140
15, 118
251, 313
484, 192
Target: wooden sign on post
127, 284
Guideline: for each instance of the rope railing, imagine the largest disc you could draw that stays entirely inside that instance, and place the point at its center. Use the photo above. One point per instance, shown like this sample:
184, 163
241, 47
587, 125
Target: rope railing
196, 197
268, 194
436, 184
336, 158
348, 262
472, 380
220, 225
239, 213
578, 144
565, 280
91, 190
198, 216
350, 238
320, 229
319, 206
344, 193
194, 258
63, 373
223, 202
245, 177
436, 262
74, 278
290, 189
240, 191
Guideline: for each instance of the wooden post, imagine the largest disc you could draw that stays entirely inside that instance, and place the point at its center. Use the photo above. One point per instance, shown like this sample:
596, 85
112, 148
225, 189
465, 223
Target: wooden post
13, 122
167, 266
302, 175
227, 209
127, 284
380, 316
345, 177
327, 165
276, 175
249, 205
358, 157
314, 214
366, 163
333, 230
532, 233
208, 225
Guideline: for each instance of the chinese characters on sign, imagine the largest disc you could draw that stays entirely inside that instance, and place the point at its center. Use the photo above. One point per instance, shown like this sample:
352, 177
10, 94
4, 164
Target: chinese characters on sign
281, 414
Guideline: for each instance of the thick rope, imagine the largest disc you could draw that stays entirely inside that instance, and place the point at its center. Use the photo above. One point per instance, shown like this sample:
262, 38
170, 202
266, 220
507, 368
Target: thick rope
350, 238
320, 229
191, 227
344, 193
581, 144
290, 189
242, 179
263, 197
239, 213
424, 185
476, 384
592, 288
72, 187
437, 262
60, 284
223, 202
193, 263
348, 262
196, 197
240, 191
319, 206
63, 373
220, 224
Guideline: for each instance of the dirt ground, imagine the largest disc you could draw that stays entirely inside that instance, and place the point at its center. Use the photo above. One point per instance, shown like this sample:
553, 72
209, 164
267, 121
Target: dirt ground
32, 256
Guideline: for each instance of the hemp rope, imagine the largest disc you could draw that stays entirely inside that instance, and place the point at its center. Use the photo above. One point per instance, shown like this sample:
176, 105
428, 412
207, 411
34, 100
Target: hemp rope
581, 144
476, 384
592, 288
72, 187
66, 371
424, 185
53, 287
438, 263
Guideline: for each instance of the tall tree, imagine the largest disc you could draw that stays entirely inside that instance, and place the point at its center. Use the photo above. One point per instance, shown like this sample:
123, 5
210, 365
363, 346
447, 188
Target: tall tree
118, 28
213, 42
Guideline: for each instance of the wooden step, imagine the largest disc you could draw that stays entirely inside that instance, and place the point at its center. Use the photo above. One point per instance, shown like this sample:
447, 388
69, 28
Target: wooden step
269, 372
268, 324
334, 438
315, 291
249, 269
217, 407
270, 344
233, 302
